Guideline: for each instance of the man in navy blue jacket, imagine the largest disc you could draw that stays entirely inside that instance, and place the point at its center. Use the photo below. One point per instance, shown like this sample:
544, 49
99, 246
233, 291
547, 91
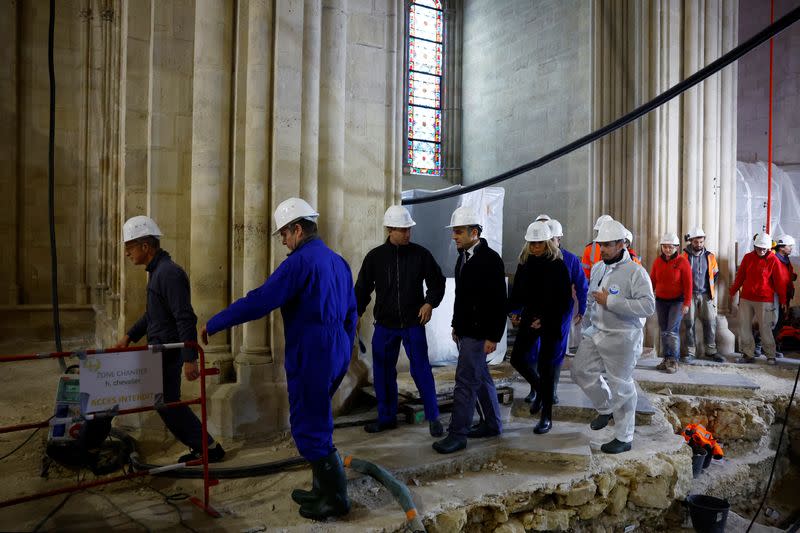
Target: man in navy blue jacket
314, 289
479, 322
168, 318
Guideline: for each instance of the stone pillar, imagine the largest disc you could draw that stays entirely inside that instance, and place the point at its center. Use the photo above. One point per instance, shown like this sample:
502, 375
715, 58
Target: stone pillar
309, 149
332, 119
254, 349
211, 166
10, 173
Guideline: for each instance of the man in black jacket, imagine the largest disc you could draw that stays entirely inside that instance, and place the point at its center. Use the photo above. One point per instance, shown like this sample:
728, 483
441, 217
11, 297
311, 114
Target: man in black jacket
395, 270
168, 318
479, 321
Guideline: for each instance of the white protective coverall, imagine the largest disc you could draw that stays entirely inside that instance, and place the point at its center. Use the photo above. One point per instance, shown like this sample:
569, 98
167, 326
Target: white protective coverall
612, 341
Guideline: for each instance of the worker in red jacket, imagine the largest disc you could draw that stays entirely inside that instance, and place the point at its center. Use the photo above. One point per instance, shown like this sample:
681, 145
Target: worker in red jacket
760, 279
672, 282
783, 249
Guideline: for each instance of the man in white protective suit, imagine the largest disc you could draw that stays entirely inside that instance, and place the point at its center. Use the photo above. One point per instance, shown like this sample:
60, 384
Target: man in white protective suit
620, 298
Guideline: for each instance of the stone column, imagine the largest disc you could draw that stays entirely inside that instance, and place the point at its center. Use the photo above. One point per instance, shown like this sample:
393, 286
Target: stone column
256, 236
332, 119
9, 157
211, 166
309, 149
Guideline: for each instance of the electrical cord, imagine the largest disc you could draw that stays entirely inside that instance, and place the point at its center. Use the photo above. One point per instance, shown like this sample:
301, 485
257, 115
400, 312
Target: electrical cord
120, 510
26, 441
777, 452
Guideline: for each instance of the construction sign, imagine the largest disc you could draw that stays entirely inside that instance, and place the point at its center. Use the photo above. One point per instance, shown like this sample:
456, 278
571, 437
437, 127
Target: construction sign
122, 380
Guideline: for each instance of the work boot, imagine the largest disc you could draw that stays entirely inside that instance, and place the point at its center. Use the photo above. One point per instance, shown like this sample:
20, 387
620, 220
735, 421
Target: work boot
451, 443
307, 496
601, 421
687, 359
779, 355
615, 446
531, 396
545, 422
536, 405
715, 357
662, 365
671, 366
772, 361
333, 500
481, 431
435, 428
377, 427
746, 360
215, 455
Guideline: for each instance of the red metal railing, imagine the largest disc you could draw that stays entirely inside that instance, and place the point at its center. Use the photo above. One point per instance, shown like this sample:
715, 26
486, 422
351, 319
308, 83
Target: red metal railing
207, 481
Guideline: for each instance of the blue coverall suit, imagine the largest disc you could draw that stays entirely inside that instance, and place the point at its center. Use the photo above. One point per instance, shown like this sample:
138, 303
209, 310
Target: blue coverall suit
314, 289
581, 284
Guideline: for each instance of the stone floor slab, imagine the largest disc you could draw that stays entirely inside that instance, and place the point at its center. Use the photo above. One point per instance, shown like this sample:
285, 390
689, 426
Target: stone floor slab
689, 380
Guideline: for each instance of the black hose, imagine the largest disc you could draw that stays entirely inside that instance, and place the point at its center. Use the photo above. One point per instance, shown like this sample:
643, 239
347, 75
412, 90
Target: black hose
777, 452
709, 70
52, 184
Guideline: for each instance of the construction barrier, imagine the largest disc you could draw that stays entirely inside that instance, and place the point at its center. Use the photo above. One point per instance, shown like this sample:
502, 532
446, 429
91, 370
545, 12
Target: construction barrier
155, 348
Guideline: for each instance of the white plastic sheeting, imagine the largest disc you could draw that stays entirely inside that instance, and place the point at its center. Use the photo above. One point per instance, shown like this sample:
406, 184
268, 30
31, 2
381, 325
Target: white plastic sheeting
430, 232
751, 204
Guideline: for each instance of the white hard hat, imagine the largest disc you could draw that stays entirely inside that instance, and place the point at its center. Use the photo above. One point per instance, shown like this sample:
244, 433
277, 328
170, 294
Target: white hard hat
670, 238
629, 236
602, 219
555, 227
138, 227
611, 231
464, 216
538, 231
784, 240
695, 232
398, 216
293, 209
763, 240
542, 218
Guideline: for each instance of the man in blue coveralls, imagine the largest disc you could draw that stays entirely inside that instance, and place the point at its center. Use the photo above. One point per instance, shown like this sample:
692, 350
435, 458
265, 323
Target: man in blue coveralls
580, 286
396, 271
314, 289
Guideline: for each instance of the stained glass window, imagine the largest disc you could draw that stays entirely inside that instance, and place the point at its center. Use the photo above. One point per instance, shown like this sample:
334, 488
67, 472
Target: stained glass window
424, 120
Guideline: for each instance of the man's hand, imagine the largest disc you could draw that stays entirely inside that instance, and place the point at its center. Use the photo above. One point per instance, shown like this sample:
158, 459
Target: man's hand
455, 337
578, 318
536, 324
204, 334
515, 320
191, 369
685, 310
601, 297
489, 347
425, 313
124, 342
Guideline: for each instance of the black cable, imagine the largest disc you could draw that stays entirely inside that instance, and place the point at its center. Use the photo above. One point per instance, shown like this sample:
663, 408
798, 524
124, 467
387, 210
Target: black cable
120, 510
53, 511
51, 182
169, 499
709, 70
777, 452
21, 445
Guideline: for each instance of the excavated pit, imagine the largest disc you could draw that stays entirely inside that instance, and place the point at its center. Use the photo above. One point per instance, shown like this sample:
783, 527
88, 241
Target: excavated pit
520, 482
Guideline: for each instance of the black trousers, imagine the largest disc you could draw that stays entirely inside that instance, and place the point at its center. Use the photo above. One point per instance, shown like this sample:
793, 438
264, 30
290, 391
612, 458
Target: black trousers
181, 421
541, 377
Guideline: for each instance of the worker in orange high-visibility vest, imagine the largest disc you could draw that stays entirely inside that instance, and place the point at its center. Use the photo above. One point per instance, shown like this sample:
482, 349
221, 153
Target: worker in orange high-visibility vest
591, 253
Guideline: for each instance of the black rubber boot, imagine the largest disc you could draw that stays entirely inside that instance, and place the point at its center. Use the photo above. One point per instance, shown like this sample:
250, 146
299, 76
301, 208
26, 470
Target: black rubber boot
333, 500
307, 496
536, 405
546, 421
601, 421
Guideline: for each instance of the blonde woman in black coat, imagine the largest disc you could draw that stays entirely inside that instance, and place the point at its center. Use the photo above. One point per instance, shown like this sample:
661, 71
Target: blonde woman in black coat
539, 303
